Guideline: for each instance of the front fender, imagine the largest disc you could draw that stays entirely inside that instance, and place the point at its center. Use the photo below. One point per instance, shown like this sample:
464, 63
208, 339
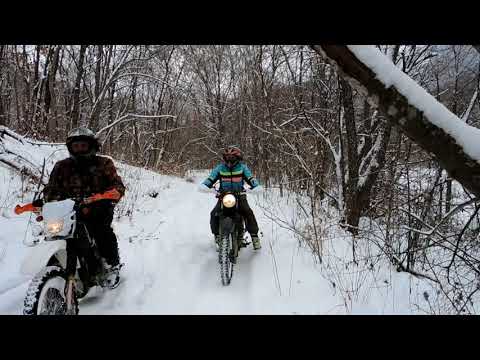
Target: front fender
40, 255
226, 225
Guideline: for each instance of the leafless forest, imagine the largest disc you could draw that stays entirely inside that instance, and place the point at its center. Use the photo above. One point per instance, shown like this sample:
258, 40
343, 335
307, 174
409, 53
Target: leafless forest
304, 129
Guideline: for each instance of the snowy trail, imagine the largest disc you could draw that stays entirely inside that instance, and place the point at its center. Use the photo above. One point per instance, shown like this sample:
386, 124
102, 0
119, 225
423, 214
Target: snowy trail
171, 266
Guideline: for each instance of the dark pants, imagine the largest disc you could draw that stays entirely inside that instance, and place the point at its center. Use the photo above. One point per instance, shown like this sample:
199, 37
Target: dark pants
244, 210
99, 225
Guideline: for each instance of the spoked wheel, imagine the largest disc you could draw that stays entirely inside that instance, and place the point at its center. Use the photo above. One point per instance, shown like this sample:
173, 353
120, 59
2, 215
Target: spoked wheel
46, 294
225, 258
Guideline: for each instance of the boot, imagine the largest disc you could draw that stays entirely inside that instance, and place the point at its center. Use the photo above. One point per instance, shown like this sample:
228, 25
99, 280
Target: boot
241, 239
112, 276
256, 242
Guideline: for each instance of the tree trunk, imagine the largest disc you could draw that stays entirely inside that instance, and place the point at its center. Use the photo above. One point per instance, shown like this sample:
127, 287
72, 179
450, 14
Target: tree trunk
352, 205
3, 115
50, 99
448, 195
111, 116
358, 193
37, 109
94, 121
76, 90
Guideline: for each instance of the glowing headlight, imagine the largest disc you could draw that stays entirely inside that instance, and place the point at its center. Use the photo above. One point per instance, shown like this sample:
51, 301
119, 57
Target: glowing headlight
229, 201
55, 226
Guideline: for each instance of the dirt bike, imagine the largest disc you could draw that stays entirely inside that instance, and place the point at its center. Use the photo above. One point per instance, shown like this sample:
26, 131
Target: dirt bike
231, 229
62, 278
231, 234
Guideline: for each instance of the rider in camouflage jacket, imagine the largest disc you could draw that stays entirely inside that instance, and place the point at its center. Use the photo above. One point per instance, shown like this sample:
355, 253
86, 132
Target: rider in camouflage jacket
82, 175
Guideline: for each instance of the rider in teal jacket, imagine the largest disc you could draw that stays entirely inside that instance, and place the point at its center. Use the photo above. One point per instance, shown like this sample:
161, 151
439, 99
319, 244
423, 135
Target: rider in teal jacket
231, 179
232, 175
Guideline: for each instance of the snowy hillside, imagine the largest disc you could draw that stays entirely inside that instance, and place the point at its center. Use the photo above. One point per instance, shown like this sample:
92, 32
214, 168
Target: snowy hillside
171, 264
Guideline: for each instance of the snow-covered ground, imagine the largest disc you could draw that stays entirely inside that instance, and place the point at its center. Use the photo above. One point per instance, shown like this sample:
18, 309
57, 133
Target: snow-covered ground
171, 264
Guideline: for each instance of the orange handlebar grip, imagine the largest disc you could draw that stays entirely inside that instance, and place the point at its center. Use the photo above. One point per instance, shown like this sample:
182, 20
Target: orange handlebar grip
112, 195
28, 207
108, 195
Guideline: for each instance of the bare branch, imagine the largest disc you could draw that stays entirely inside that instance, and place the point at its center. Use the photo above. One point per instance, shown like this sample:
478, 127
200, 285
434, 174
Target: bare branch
131, 117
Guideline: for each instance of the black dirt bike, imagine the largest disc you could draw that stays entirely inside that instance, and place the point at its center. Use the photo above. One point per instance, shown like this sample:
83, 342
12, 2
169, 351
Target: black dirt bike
69, 263
231, 232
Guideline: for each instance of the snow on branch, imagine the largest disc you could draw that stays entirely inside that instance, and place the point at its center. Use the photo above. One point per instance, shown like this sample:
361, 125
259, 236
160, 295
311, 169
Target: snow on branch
6, 131
13, 159
407, 105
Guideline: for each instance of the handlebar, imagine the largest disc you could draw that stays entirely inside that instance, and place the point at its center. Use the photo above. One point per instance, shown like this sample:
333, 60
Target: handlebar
204, 189
222, 193
37, 205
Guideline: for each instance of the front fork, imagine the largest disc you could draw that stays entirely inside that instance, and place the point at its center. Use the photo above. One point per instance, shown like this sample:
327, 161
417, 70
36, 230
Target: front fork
80, 250
76, 250
70, 295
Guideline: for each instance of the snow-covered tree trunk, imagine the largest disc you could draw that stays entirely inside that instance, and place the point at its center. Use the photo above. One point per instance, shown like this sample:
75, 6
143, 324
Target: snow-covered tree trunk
422, 118
352, 206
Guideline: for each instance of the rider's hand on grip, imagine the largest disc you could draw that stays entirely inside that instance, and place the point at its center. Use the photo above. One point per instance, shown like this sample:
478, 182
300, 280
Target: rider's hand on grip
257, 189
29, 207
205, 189
108, 195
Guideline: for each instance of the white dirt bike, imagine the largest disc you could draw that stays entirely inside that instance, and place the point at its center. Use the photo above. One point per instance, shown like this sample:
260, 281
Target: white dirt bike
63, 277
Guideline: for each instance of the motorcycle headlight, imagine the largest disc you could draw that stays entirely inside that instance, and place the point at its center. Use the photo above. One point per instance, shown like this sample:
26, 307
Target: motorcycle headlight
229, 201
54, 226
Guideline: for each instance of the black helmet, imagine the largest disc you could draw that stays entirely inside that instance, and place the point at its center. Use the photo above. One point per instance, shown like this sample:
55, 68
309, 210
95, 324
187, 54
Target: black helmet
82, 134
232, 155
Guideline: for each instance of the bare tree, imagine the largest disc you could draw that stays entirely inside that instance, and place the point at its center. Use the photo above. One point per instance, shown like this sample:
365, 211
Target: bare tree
76, 90
425, 133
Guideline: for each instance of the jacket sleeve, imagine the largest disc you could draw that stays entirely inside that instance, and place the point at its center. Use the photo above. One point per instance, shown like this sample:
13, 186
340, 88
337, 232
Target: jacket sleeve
248, 177
114, 180
54, 189
213, 177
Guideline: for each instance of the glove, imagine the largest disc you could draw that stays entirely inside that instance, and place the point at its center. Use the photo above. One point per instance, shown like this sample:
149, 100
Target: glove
108, 195
205, 189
